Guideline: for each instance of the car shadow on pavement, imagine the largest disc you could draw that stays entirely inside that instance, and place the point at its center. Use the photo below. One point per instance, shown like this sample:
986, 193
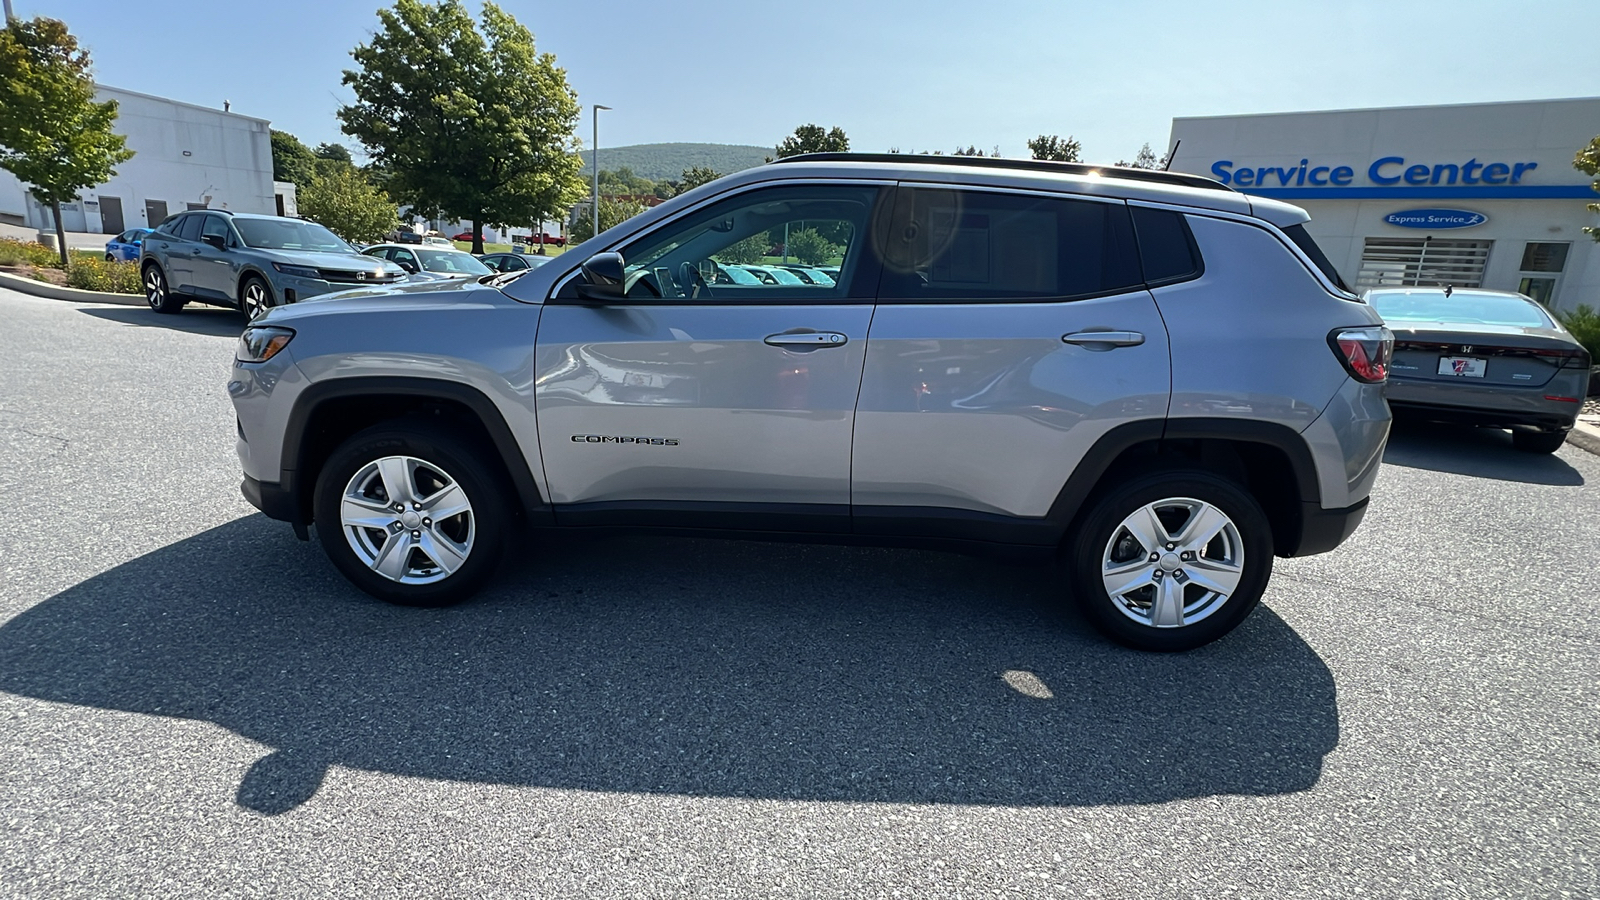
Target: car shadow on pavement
689, 667
211, 320
1478, 452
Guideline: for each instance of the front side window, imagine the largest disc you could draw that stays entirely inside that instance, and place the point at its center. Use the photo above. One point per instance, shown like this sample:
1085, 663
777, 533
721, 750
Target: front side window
967, 245
289, 234
216, 226
730, 249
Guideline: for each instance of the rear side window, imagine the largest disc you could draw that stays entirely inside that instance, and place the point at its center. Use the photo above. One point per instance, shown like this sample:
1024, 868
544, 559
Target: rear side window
169, 225
1308, 246
1167, 249
190, 229
953, 245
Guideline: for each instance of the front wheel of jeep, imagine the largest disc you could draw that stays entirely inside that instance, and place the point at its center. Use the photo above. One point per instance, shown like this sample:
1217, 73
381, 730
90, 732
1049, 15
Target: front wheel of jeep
1170, 560
411, 515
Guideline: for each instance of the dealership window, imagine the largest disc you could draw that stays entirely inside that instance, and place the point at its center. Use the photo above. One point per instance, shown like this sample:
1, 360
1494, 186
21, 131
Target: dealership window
1413, 262
1542, 264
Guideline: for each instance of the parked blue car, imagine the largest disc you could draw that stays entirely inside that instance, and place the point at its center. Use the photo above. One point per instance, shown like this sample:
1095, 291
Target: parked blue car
125, 246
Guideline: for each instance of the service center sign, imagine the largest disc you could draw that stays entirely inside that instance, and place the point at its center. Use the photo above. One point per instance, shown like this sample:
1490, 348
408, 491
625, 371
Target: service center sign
1436, 218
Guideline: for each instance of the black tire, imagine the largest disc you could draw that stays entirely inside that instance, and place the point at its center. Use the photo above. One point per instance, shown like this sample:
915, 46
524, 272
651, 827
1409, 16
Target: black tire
255, 296
490, 520
157, 291
110, 258
1090, 547
1537, 441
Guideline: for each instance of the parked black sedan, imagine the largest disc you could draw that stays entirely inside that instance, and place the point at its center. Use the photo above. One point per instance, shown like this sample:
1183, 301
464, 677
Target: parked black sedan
513, 262
1487, 358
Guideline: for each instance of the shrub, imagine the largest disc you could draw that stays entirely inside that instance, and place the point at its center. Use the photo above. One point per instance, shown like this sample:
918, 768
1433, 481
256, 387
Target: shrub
812, 248
27, 253
1584, 323
105, 275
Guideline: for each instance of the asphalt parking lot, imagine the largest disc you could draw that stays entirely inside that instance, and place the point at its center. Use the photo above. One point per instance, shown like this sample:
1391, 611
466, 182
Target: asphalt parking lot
193, 703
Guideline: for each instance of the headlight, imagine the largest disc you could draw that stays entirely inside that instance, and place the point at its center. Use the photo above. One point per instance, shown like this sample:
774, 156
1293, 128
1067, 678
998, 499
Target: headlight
260, 343
299, 271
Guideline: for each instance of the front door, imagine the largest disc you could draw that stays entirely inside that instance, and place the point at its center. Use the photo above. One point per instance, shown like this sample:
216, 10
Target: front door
155, 212
707, 396
215, 273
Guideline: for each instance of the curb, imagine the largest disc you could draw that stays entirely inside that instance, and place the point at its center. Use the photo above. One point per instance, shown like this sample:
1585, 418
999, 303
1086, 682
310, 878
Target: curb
54, 292
1585, 436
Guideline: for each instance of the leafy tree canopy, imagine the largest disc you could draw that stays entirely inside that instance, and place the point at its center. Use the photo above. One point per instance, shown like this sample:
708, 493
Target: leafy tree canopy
53, 135
465, 123
696, 176
1144, 159
348, 204
1050, 146
812, 248
291, 160
612, 211
1588, 162
812, 139
333, 152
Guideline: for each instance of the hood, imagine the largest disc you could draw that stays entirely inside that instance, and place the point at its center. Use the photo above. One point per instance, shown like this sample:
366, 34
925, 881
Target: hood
344, 262
400, 295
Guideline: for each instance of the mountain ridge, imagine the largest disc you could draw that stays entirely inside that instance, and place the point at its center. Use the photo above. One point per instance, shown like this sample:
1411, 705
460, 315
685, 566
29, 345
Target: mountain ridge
666, 161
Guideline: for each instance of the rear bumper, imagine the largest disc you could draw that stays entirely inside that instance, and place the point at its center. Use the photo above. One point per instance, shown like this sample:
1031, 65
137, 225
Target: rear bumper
1490, 405
1322, 530
271, 498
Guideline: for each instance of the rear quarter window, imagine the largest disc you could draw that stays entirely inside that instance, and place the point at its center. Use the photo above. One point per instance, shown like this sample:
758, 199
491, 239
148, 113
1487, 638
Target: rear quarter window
1308, 246
1167, 251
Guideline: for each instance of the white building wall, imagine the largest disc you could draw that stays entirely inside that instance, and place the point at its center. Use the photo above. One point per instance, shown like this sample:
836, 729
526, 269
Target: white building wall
183, 155
1545, 204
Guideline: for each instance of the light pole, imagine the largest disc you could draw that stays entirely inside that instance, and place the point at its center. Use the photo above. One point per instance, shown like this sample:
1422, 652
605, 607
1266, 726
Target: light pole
595, 161
10, 16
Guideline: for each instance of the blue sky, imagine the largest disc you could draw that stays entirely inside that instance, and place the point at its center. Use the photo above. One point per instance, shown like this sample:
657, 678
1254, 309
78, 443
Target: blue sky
917, 75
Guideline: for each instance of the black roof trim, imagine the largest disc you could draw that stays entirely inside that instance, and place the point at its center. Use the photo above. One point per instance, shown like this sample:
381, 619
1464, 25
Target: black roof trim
1158, 176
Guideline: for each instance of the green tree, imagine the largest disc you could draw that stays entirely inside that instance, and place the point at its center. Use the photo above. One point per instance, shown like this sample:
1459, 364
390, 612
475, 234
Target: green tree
1588, 162
292, 161
613, 210
469, 125
347, 203
624, 181
53, 136
1050, 146
338, 153
750, 250
812, 139
812, 248
1144, 159
696, 176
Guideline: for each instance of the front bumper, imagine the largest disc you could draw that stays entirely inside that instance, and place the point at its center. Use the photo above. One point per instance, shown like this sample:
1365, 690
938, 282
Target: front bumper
272, 498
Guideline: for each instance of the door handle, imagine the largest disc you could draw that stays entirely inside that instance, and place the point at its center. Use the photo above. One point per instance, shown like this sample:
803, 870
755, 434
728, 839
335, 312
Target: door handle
195, 252
807, 339
1107, 339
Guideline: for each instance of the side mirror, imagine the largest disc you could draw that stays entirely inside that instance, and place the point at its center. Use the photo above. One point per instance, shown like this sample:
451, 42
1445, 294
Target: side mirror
214, 240
411, 268
605, 274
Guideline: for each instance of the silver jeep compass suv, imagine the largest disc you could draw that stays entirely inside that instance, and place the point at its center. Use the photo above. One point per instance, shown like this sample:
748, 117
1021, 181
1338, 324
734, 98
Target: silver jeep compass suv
1157, 380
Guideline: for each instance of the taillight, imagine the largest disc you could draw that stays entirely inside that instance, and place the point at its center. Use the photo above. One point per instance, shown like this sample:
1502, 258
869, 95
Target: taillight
1365, 352
1565, 359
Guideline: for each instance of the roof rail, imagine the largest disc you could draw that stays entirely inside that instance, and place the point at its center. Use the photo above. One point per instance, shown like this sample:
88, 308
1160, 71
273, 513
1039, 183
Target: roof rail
1158, 176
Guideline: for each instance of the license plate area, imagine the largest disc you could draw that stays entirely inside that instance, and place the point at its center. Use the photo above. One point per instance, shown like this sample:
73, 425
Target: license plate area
1463, 366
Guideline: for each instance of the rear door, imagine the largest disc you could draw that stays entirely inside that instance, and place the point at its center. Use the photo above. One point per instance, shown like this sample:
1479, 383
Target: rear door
701, 400
1013, 330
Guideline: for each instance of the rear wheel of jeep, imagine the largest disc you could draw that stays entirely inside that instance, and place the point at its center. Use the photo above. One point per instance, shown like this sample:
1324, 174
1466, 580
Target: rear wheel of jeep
411, 515
1171, 560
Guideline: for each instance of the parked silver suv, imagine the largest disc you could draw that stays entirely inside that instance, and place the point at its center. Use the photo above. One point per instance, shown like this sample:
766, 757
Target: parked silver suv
1155, 379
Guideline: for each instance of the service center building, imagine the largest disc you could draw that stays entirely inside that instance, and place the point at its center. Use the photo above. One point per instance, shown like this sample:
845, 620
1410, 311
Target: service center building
1479, 195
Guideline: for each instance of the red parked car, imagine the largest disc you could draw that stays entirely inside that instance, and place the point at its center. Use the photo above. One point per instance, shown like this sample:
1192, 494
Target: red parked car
463, 236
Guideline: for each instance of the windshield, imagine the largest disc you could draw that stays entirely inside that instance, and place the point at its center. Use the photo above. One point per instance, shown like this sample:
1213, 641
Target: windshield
451, 262
1458, 309
289, 234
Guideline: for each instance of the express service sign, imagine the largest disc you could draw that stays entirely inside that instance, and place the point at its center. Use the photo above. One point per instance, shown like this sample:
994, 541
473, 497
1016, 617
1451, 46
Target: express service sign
1435, 218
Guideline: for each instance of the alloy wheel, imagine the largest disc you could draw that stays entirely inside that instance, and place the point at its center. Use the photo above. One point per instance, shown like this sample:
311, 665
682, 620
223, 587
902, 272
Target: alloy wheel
155, 287
254, 300
407, 520
1173, 562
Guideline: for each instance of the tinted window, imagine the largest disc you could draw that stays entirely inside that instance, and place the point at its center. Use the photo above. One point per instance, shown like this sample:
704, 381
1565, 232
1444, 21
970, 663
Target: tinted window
1308, 246
190, 229
973, 245
216, 226
404, 257
1166, 248
712, 254
170, 225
